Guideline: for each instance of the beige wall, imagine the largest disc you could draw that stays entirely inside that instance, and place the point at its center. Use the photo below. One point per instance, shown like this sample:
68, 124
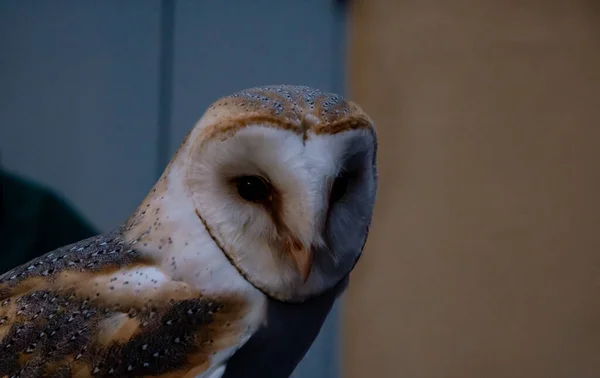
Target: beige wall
484, 257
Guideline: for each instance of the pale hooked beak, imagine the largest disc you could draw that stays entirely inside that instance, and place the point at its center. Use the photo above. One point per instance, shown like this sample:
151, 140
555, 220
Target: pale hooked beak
301, 257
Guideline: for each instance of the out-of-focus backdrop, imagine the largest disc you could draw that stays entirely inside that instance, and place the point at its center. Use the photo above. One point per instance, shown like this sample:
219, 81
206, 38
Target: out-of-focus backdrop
484, 254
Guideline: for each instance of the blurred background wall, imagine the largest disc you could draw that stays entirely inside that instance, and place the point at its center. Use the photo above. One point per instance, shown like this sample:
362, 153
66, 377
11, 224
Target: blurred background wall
95, 96
484, 256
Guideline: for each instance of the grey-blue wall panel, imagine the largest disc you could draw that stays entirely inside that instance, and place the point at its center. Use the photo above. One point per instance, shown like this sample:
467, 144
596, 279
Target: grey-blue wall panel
224, 46
78, 99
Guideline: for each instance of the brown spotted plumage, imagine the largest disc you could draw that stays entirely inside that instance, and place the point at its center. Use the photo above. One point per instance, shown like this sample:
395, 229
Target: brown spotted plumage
60, 317
298, 109
185, 282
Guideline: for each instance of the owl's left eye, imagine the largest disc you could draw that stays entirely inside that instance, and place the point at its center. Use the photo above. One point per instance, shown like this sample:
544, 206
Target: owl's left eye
340, 187
253, 188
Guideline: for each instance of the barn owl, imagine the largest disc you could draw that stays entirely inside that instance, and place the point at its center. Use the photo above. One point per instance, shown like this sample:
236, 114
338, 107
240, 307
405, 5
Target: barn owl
268, 200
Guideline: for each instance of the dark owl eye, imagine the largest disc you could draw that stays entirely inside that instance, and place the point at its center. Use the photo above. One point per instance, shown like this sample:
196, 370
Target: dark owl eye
253, 188
339, 188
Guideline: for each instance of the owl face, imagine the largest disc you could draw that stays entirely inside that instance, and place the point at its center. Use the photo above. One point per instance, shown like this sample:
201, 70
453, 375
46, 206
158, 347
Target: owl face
289, 206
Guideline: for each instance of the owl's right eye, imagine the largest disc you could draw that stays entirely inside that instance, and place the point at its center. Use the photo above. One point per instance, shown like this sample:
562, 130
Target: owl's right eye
253, 188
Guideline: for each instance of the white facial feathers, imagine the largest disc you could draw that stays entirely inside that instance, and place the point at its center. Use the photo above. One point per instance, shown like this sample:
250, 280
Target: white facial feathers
282, 180
301, 175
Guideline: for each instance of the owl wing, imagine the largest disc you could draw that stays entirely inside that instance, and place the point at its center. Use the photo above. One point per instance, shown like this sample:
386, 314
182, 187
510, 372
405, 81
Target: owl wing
275, 351
99, 308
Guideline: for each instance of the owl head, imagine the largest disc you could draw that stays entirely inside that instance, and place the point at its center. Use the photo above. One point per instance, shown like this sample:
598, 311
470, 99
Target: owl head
284, 180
